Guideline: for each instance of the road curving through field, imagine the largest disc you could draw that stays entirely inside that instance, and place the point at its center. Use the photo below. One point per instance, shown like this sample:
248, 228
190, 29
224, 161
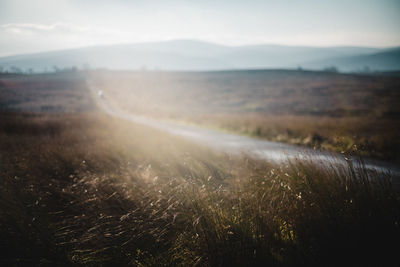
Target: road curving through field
238, 144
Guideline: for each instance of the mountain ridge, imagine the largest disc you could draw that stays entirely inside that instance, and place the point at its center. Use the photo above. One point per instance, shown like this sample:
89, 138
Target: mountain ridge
193, 55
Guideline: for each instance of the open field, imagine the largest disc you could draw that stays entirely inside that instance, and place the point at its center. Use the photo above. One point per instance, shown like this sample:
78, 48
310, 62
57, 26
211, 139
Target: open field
87, 189
338, 112
56, 92
79, 187
358, 114
200, 133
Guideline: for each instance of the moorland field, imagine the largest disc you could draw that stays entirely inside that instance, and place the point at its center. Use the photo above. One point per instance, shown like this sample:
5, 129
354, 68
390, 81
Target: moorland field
79, 187
334, 111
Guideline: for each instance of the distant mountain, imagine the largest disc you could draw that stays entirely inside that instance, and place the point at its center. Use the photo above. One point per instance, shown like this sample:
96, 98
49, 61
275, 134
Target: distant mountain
189, 55
386, 60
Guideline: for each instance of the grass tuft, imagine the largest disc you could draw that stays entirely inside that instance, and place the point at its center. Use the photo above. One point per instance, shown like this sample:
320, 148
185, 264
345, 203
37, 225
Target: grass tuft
99, 191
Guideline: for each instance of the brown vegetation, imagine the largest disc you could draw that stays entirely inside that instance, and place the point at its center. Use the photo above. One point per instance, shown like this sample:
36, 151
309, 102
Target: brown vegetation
87, 189
339, 112
49, 93
363, 136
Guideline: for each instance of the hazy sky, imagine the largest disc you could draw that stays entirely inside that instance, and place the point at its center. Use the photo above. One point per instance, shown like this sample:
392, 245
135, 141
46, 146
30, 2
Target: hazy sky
39, 25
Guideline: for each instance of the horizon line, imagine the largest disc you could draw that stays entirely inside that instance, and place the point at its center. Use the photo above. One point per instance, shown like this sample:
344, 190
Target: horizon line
202, 41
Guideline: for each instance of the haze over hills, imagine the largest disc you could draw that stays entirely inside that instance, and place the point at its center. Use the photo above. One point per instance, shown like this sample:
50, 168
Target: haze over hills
192, 55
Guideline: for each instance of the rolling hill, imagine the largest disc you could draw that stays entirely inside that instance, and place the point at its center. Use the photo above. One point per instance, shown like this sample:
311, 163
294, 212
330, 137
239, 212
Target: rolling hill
192, 55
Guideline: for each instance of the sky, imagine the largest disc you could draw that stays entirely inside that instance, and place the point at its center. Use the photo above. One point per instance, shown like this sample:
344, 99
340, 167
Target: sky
29, 26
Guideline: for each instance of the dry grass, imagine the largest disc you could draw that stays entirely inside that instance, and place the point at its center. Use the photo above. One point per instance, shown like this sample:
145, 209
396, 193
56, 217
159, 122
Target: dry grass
338, 112
364, 136
50, 93
93, 190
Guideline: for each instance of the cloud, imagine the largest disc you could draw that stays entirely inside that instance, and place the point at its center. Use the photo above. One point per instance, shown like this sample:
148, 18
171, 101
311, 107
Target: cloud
56, 28
16, 38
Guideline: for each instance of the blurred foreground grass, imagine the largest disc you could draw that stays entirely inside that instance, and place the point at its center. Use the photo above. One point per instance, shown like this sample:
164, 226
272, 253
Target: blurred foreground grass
93, 190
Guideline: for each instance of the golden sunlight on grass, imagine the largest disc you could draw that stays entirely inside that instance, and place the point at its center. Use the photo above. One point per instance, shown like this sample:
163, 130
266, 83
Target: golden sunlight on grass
337, 112
101, 191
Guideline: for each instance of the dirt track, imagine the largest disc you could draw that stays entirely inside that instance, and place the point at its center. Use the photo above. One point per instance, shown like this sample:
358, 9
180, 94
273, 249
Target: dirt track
238, 144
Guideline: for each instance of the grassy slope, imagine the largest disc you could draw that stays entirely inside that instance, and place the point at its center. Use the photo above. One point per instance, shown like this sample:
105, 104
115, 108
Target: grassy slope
92, 190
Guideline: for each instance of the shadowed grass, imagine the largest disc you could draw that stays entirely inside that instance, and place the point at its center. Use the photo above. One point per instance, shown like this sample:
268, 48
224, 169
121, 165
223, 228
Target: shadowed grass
93, 190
